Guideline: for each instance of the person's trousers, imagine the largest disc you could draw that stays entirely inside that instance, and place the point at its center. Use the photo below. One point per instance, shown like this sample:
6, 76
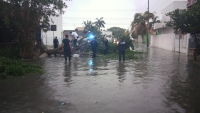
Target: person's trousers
75, 41
94, 52
55, 46
67, 53
121, 53
106, 50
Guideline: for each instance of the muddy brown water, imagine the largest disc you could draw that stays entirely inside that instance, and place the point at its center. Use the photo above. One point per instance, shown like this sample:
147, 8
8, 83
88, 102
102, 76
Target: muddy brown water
161, 82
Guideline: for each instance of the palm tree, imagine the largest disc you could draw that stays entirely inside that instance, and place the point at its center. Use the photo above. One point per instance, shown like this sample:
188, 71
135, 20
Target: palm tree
87, 24
140, 24
100, 23
152, 23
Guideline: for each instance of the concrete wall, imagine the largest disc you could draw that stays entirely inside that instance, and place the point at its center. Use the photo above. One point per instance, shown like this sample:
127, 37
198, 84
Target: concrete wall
172, 7
163, 41
183, 44
48, 36
167, 39
170, 42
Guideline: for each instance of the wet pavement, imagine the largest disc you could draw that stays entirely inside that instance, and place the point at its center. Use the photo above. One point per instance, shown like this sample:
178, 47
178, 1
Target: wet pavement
158, 82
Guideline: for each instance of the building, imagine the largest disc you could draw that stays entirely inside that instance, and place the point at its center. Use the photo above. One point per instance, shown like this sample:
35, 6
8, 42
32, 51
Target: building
48, 36
79, 32
67, 32
166, 38
190, 3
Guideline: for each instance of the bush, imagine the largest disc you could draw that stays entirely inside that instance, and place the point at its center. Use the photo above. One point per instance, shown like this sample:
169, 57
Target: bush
10, 67
10, 52
129, 55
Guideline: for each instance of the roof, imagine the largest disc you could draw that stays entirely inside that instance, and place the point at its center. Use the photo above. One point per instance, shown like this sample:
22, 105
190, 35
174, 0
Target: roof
80, 28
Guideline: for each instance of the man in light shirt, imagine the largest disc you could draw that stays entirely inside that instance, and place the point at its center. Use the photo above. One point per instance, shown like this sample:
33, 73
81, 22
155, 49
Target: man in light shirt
75, 36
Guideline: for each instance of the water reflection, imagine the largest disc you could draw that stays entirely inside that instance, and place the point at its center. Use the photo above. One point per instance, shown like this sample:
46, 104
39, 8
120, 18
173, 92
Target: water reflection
93, 66
163, 82
68, 74
121, 71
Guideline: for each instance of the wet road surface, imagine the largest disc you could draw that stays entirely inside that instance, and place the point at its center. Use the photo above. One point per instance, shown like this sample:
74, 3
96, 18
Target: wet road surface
160, 82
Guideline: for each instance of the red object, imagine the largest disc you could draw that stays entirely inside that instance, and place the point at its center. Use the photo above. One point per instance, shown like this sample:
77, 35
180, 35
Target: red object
191, 2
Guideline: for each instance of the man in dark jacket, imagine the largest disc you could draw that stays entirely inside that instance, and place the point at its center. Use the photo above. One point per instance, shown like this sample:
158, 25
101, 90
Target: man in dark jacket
121, 49
55, 43
67, 48
94, 46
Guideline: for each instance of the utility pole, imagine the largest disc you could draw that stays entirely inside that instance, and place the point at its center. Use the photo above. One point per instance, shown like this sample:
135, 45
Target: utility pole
148, 27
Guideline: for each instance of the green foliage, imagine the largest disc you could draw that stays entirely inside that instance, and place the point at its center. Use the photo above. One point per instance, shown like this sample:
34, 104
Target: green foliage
24, 17
151, 24
186, 21
117, 31
10, 67
112, 47
88, 24
129, 55
100, 23
141, 25
10, 52
142, 18
177, 20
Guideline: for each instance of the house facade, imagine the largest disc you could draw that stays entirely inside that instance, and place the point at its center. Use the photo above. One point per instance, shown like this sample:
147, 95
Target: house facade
165, 37
48, 36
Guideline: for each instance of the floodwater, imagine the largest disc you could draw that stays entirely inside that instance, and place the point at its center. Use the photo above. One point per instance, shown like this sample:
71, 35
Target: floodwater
160, 82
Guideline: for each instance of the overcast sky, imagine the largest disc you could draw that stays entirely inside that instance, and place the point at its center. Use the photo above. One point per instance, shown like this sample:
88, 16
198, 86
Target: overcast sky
117, 13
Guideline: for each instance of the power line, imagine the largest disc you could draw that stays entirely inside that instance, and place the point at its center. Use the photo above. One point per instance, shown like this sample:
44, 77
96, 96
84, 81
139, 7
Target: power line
105, 25
103, 10
69, 19
92, 18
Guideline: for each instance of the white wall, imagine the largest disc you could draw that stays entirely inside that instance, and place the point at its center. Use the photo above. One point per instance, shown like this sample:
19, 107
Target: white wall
48, 37
163, 41
183, 43
166, 40
139, 39
172, 7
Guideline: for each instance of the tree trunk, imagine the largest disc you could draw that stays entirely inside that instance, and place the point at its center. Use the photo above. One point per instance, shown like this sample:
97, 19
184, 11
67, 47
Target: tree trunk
27, 45
26, 51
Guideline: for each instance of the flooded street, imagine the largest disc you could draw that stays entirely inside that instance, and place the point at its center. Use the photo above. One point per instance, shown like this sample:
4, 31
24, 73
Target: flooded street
157, 82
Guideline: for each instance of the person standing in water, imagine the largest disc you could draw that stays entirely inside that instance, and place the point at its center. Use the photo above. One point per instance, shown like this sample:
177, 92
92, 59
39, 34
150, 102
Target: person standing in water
55, 43
121, 49
94, 45
67, 48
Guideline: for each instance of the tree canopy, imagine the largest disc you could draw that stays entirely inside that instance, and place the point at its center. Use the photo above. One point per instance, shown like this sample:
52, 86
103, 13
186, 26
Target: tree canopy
186, 21
25, 16
140, 25
100, 23
117, 31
